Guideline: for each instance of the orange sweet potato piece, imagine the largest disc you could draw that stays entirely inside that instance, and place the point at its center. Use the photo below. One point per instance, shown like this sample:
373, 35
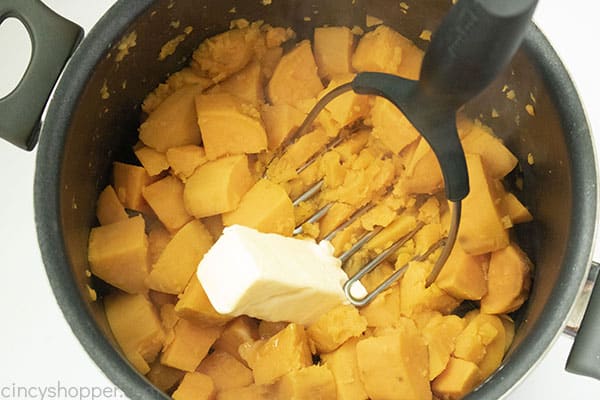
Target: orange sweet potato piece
295, 78
165, 197
174, 122
463, 275
224, 54
128, 181
497, 159
348, 107
509, 280
336, 326
391, 126
229, 126
333, 47
385, 50
136, 326
217, 186
189, 345
225, 371
343, 365
287, 351
394, 365
153, 161
109, 209
242, 329
184, 160
179, 260
195, 306
195, 386
266, 207
457, 380
481, 228
308, 383
117, 254
246, 84
280, 121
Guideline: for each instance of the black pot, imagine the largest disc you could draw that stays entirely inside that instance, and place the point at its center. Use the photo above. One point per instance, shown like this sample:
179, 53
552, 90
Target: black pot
85, 130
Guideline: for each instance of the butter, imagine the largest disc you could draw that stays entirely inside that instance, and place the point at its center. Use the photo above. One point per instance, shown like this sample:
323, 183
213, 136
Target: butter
272, 277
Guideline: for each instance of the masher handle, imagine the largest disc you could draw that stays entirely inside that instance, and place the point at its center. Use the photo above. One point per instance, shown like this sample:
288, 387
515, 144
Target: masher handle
473, 44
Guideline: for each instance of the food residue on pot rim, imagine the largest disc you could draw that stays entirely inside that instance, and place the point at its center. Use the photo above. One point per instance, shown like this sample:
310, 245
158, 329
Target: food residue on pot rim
425, 35
373, 21
266, 2
104, 93
495, 113
530, 109
175, 24
530, 159
511, 95
128, 42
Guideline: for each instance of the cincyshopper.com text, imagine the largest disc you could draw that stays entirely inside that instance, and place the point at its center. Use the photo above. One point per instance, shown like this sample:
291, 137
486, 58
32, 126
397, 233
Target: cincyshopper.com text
59, 391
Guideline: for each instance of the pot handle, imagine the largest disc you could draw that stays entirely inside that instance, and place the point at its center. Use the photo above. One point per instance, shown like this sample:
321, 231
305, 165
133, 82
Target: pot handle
53, 39
585, 353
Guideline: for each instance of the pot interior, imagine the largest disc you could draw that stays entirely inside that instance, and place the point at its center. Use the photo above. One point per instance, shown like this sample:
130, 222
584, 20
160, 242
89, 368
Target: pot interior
105, 114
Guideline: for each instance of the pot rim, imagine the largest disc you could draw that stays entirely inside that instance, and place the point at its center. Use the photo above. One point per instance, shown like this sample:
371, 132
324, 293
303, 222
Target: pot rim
47, 196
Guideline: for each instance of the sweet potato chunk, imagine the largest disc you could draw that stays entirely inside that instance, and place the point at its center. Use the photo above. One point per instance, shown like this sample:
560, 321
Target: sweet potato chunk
497, 159
482, 342
415, 298
250, 392
379, 51
118, 254
517, 212
463, 275
195, 306
391, 126
314, 382
336, 326
226, 371
384, 310
343, 365
285, 352
180, 258
184, 160
217, 186
385, 50
165, 197
241, 330
174, 122
440, 334
246, 84
509, 280
109, 209
295, 78
457, 380
284, 168
229, 126
348, 107
280, 121
481, 228
128, 181
158, 238
333, 46
189, 345
136, 326
195, 386
266, 207
394, 366
153, 161
225, 54
163, 377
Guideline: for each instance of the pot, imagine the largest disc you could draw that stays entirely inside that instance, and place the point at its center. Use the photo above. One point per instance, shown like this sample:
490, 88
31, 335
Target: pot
94, 114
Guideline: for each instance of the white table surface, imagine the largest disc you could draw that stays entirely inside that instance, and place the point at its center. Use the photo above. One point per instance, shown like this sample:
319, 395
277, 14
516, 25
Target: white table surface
40, 351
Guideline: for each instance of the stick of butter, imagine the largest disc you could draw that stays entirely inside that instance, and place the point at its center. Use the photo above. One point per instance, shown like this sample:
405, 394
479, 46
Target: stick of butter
272, 277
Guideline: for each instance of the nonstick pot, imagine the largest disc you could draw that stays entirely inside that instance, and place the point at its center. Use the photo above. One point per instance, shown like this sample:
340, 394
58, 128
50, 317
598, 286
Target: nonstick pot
94, 113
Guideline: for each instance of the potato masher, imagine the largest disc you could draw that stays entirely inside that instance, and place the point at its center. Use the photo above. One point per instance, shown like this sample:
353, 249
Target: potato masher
475, 41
